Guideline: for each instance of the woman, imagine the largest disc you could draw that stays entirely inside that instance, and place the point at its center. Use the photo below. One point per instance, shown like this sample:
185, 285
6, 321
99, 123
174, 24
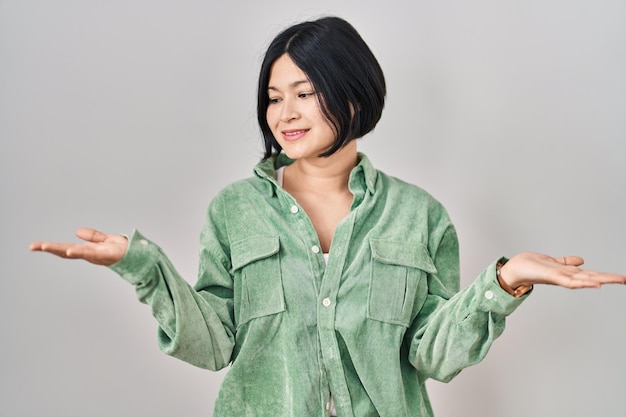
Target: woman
324, 283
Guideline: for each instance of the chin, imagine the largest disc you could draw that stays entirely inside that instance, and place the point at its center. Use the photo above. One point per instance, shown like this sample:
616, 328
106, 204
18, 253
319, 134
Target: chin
298, 153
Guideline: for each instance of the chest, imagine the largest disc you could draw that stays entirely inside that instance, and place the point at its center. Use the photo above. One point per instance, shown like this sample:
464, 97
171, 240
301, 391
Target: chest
325, 213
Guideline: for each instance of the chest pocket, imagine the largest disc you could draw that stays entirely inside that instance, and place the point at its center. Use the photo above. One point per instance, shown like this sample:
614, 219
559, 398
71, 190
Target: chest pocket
396, 271
258, 280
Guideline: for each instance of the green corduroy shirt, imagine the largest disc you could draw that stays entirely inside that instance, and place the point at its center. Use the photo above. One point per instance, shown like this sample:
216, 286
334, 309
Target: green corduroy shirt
371, 326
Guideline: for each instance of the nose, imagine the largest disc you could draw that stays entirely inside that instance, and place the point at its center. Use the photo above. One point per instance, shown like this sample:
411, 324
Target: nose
289, 110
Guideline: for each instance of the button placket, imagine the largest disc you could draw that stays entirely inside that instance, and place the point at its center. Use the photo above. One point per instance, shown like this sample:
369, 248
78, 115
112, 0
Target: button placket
327, 310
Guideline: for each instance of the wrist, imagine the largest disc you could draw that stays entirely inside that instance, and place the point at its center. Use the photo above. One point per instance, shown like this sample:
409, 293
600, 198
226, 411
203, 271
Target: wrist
516, 290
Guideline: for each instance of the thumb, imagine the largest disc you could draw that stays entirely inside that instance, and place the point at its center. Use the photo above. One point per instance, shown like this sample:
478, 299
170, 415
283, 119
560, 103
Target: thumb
570, 260
91, 235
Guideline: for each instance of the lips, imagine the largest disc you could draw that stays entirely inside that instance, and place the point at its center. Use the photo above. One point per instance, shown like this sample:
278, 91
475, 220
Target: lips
293, 134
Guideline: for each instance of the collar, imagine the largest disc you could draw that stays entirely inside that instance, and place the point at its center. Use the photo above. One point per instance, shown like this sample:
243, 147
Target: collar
363, 175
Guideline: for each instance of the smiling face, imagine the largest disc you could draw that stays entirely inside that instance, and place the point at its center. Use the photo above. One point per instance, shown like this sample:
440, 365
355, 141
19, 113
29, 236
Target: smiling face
294, 114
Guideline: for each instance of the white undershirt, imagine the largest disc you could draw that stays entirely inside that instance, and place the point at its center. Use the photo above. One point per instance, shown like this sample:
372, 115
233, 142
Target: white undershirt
279, 179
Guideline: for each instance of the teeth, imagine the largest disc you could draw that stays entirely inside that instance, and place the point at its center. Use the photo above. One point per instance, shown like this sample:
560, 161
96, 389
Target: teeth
294, 133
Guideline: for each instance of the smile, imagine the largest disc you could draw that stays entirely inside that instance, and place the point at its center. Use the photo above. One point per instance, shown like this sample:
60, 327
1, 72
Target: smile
294, 134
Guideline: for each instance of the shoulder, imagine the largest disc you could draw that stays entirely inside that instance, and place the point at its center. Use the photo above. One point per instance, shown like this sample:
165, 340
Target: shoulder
242, 208
396, 188
245, 188
411, 204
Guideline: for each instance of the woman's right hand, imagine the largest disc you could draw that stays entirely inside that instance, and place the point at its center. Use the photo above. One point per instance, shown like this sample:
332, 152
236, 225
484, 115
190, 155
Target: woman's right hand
99, 248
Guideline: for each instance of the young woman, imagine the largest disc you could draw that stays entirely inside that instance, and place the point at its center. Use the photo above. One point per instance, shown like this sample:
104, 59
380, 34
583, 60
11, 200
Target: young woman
329, 287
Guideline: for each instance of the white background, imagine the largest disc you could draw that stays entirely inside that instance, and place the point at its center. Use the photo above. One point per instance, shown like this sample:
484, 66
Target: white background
123, 114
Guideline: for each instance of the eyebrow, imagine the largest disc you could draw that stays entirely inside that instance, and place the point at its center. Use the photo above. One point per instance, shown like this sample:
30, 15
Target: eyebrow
292, 85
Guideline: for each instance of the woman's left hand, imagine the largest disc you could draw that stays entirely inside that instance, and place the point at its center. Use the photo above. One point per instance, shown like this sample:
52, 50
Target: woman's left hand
534, 268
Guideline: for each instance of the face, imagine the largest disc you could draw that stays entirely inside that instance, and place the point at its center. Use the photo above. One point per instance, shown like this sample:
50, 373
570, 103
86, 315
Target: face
294, 113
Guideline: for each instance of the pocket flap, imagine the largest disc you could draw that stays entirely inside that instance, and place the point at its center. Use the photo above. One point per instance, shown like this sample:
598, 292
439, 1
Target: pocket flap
411, 254
252, 249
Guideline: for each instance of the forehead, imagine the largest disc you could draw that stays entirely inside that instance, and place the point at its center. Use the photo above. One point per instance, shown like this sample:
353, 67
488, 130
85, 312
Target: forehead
285, 72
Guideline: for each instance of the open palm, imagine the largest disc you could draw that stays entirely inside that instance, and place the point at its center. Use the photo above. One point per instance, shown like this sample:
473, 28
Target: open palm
99, 248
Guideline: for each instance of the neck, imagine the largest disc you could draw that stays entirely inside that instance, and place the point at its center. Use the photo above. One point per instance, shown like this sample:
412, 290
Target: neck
322, 175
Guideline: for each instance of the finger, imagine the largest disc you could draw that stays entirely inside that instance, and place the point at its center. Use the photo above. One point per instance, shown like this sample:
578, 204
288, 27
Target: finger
587, 279
81, 252
570, 260
575, 280
91, 235
55, 248
92, 253
35, 246
606, 278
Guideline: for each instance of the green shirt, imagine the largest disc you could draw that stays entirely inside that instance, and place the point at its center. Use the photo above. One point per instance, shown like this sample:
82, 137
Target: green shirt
371, 326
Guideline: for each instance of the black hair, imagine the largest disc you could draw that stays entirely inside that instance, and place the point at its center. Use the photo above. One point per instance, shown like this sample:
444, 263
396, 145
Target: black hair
341, 68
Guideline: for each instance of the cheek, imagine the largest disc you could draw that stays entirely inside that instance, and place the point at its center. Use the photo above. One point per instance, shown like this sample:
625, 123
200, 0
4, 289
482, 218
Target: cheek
270, 116
320, 117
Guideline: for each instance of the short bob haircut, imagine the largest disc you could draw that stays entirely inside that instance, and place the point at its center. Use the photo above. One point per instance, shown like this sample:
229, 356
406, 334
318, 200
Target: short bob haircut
342, 69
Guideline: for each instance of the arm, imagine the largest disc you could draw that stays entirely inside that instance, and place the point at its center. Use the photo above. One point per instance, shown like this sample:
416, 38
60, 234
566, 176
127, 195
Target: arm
195, 324
452, 332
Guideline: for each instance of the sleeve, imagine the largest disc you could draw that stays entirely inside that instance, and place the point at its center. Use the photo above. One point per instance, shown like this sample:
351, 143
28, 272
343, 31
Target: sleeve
196, 324
454, 330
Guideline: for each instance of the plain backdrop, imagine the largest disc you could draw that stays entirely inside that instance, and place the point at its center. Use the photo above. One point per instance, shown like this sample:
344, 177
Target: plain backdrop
121, 114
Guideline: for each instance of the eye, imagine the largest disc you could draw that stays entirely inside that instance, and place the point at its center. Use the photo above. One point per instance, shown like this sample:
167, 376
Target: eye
274, 100
306, 95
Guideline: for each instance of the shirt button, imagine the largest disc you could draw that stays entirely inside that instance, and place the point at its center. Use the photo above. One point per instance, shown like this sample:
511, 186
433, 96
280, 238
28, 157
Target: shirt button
489, 295
143, 242
326, 302
315, 249
294, 209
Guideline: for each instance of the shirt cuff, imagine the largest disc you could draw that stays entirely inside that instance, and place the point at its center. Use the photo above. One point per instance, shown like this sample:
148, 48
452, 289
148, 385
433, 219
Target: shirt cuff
493, 297
141, 256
